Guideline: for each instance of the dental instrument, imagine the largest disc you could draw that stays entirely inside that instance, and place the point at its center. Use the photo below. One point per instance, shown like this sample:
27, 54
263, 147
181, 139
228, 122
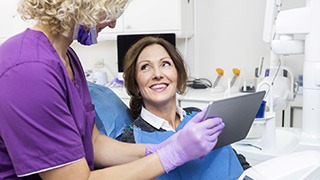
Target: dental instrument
220, 74
236, 73
258, 70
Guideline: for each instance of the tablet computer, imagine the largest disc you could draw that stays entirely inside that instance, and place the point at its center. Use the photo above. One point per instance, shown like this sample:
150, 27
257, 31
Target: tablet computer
237, 113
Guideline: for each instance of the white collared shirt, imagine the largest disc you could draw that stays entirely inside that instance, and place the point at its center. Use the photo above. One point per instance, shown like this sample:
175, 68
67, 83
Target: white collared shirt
158, 122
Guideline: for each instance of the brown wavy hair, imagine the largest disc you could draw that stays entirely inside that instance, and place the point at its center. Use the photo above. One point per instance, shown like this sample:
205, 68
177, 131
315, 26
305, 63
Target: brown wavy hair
129, 70
62, 15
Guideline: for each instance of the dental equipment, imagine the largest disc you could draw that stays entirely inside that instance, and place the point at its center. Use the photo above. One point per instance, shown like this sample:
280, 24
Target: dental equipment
303, 165
286, 24
220, 74
236, 73
280, 27
258, 70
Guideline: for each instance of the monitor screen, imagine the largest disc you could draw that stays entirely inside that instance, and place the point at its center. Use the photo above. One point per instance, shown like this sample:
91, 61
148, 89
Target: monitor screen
124, 42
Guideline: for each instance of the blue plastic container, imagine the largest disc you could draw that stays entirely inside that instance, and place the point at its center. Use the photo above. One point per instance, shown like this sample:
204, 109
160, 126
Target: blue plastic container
261, 110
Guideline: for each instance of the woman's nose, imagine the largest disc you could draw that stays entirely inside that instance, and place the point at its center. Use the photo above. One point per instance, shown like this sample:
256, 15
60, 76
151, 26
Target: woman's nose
157, 74
112, 24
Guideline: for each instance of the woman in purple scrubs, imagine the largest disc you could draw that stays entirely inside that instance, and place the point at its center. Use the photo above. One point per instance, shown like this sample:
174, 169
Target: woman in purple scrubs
47, 127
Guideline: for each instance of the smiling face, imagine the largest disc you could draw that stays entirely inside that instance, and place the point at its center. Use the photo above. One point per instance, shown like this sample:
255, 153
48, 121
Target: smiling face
156, 76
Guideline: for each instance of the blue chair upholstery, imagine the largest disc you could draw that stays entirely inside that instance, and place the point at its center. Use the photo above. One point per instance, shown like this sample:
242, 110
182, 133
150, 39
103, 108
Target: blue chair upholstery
112, 115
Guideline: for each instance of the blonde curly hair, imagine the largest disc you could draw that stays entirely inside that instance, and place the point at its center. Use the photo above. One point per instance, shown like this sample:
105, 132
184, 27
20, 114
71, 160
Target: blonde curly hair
62, 15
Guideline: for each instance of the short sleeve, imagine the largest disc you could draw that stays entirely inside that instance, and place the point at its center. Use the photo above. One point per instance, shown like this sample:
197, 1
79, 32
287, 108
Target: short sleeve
38, 129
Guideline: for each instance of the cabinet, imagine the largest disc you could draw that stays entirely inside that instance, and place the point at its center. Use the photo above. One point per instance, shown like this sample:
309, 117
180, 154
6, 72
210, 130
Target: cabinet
140, 16
154, 16
199, 98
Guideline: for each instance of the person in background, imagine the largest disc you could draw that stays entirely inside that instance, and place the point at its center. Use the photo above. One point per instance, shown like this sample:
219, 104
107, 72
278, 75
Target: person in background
154, 72
47, 118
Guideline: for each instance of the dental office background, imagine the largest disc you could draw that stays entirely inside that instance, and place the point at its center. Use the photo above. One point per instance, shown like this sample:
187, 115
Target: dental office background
223, 34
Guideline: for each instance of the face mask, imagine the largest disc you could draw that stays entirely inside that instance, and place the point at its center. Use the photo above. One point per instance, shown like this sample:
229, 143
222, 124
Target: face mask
84, 37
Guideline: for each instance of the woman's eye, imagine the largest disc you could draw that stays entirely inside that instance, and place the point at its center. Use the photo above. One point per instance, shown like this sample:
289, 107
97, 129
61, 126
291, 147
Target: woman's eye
145, 67
166, 63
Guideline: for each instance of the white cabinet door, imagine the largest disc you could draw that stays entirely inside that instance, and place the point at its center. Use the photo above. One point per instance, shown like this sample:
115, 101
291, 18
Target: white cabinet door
154, 16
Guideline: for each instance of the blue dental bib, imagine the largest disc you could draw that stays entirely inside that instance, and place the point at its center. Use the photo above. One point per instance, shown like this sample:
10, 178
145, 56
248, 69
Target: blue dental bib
221, 163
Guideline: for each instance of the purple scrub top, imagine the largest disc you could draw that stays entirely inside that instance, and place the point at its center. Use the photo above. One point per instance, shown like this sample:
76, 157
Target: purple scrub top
46, 120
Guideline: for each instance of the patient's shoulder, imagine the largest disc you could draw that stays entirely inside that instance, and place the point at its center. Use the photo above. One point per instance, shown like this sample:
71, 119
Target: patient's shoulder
127, 135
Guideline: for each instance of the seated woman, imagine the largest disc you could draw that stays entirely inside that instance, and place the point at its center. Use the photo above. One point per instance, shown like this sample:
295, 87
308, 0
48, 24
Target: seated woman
154, 72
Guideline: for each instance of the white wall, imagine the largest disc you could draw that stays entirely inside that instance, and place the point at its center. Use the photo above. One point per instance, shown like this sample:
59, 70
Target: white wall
105, 51
228, 34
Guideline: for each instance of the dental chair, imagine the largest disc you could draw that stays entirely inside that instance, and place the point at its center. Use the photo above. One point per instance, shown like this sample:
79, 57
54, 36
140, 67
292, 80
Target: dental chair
112, 115
303, 165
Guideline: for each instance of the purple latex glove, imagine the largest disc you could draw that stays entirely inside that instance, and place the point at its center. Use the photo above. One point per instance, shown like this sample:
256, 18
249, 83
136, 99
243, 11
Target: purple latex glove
152, 148
86, 38
195, 140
